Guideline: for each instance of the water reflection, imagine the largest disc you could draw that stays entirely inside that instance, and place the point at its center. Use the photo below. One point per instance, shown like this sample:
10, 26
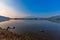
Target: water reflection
56, 21
52, 28
3, 20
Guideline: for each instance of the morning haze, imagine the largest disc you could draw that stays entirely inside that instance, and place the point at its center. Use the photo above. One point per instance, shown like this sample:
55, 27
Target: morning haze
29, 20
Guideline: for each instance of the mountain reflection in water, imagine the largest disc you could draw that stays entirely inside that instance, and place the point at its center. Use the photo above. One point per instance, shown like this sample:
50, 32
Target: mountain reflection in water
56, 21
51, 28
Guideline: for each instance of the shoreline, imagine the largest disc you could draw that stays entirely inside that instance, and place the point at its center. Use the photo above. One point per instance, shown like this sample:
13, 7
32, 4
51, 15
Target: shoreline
8, 35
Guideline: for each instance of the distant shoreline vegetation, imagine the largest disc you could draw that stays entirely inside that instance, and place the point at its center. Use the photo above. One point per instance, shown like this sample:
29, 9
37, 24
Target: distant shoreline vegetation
36, 18
2, 18
49, 18
29, 18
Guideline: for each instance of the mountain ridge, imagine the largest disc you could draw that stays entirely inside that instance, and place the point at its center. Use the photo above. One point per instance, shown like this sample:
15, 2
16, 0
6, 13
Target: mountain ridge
2, 18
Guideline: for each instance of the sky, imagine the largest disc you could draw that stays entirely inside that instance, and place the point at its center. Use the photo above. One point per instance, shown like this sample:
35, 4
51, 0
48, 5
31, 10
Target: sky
29, 8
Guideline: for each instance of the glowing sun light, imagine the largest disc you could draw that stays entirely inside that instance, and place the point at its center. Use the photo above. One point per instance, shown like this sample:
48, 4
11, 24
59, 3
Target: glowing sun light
5, 10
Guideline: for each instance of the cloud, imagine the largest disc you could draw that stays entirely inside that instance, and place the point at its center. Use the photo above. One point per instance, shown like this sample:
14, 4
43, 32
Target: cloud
9, 11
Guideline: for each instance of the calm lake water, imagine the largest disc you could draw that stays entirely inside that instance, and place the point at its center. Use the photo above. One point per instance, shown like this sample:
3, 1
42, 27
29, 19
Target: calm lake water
52, 28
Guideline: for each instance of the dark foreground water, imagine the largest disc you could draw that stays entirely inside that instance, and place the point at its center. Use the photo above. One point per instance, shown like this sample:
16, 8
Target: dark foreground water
50, 27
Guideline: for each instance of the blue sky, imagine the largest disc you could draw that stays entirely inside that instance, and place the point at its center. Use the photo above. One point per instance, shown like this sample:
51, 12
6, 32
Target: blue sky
37, 8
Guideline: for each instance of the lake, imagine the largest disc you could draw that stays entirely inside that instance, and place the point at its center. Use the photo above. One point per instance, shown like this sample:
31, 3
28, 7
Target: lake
50, 27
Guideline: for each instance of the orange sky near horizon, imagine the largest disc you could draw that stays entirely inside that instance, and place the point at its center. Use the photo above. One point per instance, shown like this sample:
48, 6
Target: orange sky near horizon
9, 11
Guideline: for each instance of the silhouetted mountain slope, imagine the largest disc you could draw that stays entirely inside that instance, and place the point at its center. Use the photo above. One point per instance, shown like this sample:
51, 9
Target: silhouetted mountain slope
55, 16
2, 18
54, 19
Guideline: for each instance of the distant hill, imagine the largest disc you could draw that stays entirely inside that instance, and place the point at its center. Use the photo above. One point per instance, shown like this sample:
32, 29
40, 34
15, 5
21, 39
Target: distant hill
54, 19
2, 18
55, 16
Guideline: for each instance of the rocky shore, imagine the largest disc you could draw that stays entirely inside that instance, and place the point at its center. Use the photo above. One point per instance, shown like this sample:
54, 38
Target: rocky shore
8, 35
